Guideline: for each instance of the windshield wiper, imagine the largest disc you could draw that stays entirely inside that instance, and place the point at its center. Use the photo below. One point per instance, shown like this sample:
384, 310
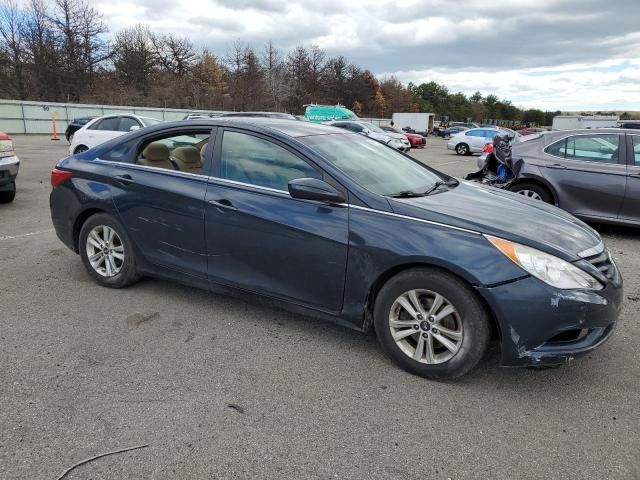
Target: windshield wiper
452, 182
406, 194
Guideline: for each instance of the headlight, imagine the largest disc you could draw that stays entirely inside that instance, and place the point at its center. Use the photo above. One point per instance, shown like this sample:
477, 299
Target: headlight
551, 270
6, 149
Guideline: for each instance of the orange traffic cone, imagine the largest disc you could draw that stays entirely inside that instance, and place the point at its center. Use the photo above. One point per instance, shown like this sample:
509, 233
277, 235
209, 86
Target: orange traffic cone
55, 132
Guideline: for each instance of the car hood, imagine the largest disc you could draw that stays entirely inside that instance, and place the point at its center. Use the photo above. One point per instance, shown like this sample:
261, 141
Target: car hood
397, 136
504, 214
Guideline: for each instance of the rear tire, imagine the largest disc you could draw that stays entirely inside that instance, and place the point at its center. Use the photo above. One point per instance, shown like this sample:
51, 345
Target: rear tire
80, 149
449, 333
462, 149
107, 252
7, 196
533, 191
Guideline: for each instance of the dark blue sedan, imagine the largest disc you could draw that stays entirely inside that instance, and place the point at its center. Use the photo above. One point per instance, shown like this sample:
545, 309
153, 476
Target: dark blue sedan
336, 225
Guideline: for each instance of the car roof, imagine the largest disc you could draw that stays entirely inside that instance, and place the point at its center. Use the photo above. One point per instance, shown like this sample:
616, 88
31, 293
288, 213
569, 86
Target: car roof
590, 130
290, 128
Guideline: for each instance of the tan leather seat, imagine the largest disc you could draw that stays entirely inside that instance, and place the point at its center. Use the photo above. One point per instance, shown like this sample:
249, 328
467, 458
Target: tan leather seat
157, 155
203, 151
187, 159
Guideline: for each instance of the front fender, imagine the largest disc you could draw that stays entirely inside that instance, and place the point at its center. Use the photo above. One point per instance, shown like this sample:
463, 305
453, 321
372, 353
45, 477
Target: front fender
380, 242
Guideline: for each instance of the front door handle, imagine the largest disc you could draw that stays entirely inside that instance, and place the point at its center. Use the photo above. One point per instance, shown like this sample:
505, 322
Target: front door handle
637, 175
125, 179
223, 205
557, 166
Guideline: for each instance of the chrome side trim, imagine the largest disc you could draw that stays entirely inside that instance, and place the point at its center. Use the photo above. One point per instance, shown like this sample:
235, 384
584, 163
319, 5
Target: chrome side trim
135, 166
250, 185
406, 217
589, 252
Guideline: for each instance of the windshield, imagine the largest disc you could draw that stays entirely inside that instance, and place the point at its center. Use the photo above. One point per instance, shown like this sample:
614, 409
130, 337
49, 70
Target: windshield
373, 128
372, 165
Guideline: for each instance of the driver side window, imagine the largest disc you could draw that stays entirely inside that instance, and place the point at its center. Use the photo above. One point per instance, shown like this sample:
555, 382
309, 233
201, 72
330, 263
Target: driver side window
255, 161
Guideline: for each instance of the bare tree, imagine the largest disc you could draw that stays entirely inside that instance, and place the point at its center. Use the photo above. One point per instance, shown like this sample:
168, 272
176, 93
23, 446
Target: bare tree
79, 41
275, 76
135, 58
175, 54
44, 56
12, 48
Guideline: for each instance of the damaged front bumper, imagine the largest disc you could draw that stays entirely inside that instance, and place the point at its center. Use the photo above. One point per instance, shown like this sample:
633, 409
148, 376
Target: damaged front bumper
543, 326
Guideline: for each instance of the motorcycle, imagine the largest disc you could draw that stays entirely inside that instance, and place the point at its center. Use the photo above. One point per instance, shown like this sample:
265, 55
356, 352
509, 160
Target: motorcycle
496, 165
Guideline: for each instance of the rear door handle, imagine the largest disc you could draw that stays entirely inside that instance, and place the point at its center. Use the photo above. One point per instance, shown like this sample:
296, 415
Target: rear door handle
125, 179
557, 166
637, 175
223, 205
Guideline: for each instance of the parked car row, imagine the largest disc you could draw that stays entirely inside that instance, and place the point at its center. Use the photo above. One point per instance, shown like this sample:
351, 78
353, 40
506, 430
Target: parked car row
87, 132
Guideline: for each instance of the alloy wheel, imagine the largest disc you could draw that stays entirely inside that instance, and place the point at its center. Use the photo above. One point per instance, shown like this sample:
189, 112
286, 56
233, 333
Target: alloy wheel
530, 194
426, 326
462, 149
105, 251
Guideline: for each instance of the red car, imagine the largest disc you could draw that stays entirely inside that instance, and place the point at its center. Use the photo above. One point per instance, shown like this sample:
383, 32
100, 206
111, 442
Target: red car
416, 141
530, 131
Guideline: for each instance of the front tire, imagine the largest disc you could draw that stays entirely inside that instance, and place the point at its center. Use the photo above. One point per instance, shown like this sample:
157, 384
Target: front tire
7, 196
80, 149
462, 149
431, 323
106, 251
533, 191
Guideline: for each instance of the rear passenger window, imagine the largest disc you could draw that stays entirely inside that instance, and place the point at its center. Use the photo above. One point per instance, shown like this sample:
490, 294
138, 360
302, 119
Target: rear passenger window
636, 149
183, 152
126, 123
590, 148
120, 153
106, 124
255, 161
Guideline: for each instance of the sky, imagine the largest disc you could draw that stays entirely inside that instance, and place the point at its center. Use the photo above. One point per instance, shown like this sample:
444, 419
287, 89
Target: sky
548, 54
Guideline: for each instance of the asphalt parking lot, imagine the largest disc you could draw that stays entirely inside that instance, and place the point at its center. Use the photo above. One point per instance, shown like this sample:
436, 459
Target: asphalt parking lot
225, 388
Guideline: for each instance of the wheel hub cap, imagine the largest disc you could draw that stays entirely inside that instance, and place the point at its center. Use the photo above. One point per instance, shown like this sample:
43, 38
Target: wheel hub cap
434, 340
105, 251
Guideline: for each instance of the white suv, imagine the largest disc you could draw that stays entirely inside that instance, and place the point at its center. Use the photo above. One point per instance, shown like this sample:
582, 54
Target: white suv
105, 128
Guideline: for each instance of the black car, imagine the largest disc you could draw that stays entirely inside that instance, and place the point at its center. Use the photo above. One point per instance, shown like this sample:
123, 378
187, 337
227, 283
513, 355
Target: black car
336, 225
629, 124
75, 125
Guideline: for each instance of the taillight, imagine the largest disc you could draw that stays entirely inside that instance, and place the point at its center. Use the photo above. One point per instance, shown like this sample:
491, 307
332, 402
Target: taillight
59, 176
488, 148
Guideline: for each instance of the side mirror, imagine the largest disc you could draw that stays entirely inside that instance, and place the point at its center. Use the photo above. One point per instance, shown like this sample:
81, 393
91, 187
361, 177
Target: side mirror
314, 189
365, 132
133, 128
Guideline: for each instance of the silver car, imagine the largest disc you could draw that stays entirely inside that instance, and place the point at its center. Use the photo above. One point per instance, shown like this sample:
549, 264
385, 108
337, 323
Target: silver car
395, 140
473, 140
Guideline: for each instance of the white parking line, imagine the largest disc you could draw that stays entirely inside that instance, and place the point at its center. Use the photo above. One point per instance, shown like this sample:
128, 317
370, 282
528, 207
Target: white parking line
448, 163
11, 237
